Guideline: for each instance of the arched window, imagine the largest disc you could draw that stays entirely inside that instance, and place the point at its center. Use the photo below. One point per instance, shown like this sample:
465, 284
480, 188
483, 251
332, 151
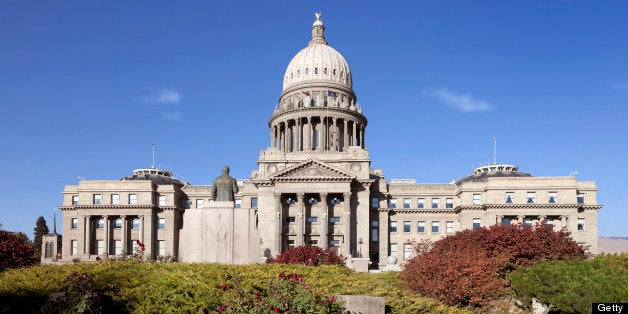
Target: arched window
325, 71
333, 72
307, 71
316, 71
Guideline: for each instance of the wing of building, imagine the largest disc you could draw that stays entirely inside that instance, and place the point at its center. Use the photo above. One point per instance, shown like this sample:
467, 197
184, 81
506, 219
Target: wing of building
313, 186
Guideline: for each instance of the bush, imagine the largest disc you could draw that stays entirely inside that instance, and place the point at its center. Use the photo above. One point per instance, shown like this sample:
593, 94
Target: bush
16, 250
309, 255
572, 285
470, 267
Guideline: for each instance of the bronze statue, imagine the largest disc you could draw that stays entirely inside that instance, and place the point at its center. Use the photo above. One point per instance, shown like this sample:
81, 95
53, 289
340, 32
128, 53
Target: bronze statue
224, 187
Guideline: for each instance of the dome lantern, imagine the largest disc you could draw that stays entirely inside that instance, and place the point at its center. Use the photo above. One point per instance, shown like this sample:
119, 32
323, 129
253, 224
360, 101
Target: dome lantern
318, 31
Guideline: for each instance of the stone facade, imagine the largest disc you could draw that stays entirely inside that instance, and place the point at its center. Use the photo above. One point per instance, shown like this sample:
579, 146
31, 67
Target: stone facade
314, 186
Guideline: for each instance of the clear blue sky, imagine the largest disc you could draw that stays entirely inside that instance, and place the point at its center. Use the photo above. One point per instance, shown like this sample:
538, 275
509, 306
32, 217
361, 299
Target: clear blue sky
87, 86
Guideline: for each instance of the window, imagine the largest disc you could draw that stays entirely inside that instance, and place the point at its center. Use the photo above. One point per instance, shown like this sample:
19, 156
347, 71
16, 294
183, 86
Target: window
334, 242
375, 202
135, 223
506, 221
313, 220
375, 230
161, 223
510, 196
477, 199
97, 199
435, 225
434, 203
253, 202
531, 198
117, 247
553, 197
199, 203
406, 203
238, 203
101, 223
313, 242
449, 226
117, 223
162, 200
316, 71
325, 71
421, 227
393, 249
315, 139
333, 72
477, 223
393, 203
393, 226
115, 199
527, 222
100, 247
421, 203
161, 247
449, 203
75, 200
291, 219
334, 220
132, 199
580, 198
407, 226
580, 224
74, 246
407, 251
74, 223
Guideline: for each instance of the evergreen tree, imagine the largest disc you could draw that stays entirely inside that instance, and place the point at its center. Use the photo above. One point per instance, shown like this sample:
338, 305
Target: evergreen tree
40, 229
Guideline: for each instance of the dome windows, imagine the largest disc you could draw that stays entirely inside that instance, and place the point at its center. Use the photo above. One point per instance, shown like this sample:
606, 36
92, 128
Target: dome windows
298, 73
291, 75
307, 71
315, 71
333, 72
325, 71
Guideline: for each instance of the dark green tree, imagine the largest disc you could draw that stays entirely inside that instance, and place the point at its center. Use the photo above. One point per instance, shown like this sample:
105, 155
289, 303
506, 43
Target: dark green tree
40, 229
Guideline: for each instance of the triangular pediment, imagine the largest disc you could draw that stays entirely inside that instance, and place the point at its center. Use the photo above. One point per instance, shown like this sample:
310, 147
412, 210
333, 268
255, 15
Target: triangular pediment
312, 170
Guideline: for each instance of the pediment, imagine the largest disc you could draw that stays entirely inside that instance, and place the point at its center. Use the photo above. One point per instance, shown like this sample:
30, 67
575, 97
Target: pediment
312, 170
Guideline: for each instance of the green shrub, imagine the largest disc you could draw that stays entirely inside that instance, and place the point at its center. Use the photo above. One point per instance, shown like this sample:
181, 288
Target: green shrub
572, 285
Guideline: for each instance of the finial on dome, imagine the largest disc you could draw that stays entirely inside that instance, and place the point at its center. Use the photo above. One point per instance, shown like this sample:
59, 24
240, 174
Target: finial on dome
318, 31
318, 15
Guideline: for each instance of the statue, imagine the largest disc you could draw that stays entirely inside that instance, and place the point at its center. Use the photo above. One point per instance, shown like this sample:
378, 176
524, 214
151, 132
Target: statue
224, 187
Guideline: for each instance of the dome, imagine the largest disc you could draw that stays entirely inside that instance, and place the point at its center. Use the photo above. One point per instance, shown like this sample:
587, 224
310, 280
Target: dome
481, 174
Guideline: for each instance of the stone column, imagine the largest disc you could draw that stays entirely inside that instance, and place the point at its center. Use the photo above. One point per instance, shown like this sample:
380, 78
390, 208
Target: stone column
300, 219
299, 134
141, 235
347, 224
125, 249
345, 133
499, 220
353, 132
335, 141
324, 239
541, 218
520, 219
272, 136
285, 137
107, 234
88, 235
362, 130
563, 221
383, 237
307, 137
278, 223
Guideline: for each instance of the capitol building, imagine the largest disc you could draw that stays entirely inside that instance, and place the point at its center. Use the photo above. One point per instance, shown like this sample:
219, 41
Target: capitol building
314, 185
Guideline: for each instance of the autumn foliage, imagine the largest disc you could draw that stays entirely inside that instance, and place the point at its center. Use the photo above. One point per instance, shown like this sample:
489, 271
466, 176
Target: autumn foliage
309, 255
470, 267
15, 250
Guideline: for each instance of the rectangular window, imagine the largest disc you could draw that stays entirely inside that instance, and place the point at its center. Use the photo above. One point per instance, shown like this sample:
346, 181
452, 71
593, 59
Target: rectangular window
406, 203
253, 202
162, 200
435, 225
101, 223
477, 199
74, 246
421, 227
100, 247
393, 203
238, 203
580, 198
74, 223
393, 226
553, 197
161, 223
135, 223
200, 202
290, 243
527, 222
375, 202
407, 251
506, 221
314, 139
115, 199
393, 249
313, 220
449, 226
407, 226
477, 223
510, 197
580, 224
132, 199
117, 223
75, 199
97, 199
117, 247
161, 247
334, 220
421, 203
334, 242
313, 242
291, 219
434, 203
374, 235
531, 198
449, 203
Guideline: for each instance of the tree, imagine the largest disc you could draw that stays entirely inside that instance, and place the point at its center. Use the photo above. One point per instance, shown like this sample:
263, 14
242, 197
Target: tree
40, 230
16, 250
471, 266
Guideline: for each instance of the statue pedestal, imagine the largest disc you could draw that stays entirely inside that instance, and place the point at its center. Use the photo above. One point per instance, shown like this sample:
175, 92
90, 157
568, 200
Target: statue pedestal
219, 233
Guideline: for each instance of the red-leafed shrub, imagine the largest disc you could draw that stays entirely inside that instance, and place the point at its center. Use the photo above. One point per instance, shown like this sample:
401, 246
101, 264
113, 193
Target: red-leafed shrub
309, 255
470, 267
16, 250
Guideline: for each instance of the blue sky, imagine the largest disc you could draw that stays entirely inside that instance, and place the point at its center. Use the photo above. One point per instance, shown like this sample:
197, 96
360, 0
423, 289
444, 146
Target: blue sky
86, 87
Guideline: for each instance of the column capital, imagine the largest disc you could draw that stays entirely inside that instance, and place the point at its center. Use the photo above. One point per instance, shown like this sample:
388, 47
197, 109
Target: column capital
277, 195
300, 196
